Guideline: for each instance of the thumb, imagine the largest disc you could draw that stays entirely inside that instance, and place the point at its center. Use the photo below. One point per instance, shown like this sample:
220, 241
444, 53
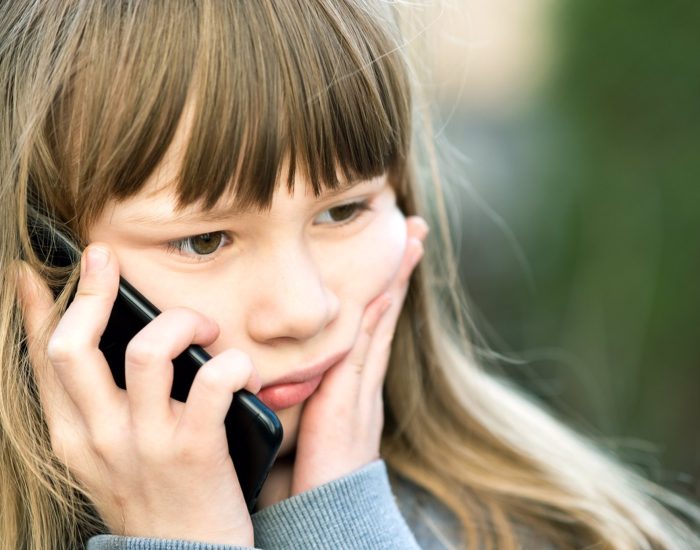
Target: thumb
97, 289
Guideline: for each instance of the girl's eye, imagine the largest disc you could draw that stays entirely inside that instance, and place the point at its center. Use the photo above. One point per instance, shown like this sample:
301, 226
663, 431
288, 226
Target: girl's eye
200, 245
345, 213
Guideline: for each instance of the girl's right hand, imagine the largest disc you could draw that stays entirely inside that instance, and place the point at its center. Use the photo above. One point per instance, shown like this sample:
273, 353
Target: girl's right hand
154, 467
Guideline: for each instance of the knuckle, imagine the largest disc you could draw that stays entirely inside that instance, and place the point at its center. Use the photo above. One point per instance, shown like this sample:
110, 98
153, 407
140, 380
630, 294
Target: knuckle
213, 377
142, 352
186, 451
230, 370
190, 447
105, 441
94, 290
88, 291
185, 315
62, 348
238, 358
184, 310
151, 448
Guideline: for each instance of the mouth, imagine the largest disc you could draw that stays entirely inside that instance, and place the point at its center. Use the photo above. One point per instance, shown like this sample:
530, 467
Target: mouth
297, 386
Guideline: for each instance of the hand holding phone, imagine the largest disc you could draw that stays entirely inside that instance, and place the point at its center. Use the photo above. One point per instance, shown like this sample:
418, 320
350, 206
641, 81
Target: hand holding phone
166, 474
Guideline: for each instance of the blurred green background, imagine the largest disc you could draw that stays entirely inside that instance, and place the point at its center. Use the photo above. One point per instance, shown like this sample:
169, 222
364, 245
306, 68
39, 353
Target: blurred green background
572, 132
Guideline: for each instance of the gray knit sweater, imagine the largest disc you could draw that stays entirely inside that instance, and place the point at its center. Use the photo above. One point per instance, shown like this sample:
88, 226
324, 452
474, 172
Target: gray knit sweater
358, 511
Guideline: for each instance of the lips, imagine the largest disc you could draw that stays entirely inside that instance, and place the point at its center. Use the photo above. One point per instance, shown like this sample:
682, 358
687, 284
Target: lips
297, 386
283, 396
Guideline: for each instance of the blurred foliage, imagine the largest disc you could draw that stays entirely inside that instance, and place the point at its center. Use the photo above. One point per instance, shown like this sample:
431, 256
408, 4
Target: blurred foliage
605, 202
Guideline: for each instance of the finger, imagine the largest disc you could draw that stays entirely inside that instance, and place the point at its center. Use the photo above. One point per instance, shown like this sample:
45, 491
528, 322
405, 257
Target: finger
36, 302
148, 361
412, 255
212, 391
73, 347
379, 347
417, 227
357, 357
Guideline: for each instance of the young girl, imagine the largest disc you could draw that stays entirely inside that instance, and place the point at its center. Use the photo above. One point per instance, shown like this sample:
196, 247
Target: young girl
250, 168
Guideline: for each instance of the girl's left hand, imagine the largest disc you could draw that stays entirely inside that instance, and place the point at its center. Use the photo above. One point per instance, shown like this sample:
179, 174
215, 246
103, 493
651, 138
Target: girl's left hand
341, 424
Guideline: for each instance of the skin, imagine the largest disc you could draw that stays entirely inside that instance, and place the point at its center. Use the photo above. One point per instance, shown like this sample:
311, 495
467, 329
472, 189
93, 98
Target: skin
288, 288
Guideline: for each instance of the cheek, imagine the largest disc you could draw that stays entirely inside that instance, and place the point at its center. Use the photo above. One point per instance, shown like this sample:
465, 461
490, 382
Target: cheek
210, 294
369, 267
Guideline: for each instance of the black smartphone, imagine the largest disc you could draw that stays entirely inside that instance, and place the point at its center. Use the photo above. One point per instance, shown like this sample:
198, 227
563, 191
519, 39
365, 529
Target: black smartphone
253, 431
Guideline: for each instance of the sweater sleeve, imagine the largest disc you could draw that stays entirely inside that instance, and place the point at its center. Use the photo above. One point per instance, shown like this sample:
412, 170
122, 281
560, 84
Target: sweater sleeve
357, 511
114, 542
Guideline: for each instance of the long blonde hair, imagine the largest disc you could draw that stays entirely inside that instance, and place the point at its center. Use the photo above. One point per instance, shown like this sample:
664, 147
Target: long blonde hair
91, 95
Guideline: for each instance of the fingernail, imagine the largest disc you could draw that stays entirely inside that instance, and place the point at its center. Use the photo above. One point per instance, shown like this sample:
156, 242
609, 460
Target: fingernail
96, 259
420, 228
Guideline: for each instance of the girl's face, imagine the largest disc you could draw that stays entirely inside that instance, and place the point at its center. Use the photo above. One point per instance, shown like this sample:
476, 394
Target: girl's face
286, 286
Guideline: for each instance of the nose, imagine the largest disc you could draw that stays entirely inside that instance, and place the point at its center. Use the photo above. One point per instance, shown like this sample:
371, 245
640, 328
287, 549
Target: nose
290, 299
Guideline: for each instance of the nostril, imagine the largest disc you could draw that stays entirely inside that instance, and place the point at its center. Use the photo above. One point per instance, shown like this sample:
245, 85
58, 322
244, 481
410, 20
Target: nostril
286, 320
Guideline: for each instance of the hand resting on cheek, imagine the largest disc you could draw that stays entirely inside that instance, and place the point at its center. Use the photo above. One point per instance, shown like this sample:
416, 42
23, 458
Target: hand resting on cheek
341, 424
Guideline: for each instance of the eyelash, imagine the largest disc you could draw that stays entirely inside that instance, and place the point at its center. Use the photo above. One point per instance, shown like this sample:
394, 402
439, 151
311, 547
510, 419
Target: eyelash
358, 209
184, 246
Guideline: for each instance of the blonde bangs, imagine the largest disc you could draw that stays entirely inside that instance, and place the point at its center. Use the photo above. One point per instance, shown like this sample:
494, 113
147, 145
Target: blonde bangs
321, 88
322, 92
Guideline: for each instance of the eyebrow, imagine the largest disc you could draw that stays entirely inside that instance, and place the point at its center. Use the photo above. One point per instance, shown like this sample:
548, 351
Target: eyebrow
222, 213
174, 218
